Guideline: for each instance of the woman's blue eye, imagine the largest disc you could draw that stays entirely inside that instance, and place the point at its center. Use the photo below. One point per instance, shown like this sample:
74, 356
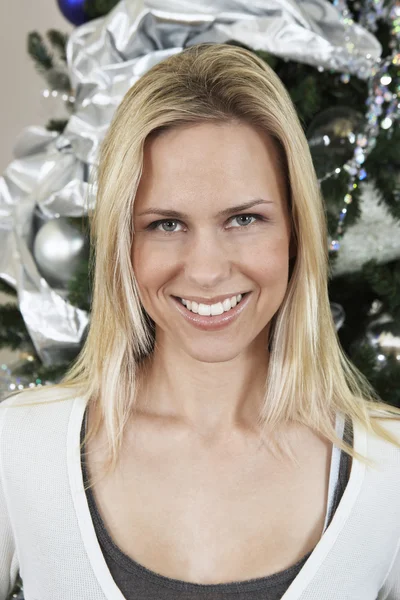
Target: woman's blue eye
168, 222
245, 217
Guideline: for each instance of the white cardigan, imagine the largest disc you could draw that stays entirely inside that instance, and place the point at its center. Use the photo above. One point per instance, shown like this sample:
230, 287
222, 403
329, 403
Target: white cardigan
46, 531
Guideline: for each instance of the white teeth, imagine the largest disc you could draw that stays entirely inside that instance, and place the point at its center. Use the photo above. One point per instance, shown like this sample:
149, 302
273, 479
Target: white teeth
226, 304
212, 309
217, 309
204, 309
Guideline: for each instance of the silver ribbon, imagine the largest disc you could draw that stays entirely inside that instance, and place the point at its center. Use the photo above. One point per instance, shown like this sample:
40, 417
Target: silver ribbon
105, 57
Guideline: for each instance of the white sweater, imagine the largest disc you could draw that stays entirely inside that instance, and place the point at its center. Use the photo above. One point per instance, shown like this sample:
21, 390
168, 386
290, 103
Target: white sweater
46, 531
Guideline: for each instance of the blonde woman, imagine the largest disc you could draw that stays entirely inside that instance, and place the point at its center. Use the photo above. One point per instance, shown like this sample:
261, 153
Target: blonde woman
212, 440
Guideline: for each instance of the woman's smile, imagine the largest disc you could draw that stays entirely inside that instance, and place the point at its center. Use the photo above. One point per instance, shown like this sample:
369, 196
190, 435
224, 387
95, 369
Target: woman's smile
204, 319
213, 307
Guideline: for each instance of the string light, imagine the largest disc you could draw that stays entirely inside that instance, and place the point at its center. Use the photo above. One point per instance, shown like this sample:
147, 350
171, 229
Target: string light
10, 383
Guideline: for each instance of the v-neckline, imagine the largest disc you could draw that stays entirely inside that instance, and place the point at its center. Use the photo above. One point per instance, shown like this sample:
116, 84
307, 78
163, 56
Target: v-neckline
94, 551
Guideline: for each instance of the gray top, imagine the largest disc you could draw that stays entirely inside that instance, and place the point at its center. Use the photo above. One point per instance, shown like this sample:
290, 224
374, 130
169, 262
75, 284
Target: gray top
136, 582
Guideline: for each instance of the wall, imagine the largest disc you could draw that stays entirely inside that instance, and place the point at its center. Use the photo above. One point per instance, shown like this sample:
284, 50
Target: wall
21, 101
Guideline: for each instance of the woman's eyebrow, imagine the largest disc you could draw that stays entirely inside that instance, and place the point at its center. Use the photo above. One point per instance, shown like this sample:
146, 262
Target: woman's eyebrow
222, 213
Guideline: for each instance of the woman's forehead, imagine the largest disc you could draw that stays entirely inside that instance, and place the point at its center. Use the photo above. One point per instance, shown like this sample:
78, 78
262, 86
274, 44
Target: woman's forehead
218, 162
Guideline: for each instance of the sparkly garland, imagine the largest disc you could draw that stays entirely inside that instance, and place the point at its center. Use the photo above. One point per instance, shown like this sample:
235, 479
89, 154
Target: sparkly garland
383, 102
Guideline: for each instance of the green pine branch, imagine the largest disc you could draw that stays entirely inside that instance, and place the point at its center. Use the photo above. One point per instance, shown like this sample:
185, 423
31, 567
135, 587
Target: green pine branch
56, 75
385, 283
334, 190
40, 373
80, 286
98, 8
385, 380
56, 125
58, 40
383, 167
13, 331
356, 292
39, 52
6, 289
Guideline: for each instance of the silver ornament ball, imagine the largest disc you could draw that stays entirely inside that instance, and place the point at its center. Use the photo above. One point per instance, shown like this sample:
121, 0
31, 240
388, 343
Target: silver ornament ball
332, 137
384, 335
58, 248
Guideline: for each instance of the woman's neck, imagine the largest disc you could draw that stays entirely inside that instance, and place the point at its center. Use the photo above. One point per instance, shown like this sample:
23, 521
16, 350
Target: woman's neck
213, 398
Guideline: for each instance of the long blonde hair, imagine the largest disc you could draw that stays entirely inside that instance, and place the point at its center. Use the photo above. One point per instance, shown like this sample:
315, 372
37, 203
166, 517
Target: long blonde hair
309, 376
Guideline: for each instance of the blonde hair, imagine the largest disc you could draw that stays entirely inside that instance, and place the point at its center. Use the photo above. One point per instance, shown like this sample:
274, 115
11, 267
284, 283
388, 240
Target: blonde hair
309, 376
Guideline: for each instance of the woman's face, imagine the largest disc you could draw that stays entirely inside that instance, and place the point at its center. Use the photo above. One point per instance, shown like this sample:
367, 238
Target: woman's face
192, 242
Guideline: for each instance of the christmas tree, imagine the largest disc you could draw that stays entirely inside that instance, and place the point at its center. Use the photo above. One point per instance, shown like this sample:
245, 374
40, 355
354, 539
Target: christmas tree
343, 75
348, 103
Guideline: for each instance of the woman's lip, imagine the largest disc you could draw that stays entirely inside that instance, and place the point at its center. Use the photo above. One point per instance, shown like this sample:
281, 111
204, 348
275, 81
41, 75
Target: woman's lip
215, 322
211, 301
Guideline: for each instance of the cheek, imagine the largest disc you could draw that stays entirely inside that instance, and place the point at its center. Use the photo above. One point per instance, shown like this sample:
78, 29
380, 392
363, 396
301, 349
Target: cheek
265, 259
268, 262
152, 266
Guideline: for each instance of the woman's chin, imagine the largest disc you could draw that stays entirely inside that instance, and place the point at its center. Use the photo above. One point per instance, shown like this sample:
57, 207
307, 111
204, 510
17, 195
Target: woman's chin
213, 352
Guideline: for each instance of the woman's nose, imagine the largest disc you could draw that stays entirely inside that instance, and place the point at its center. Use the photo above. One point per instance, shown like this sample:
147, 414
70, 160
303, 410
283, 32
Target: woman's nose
207, 261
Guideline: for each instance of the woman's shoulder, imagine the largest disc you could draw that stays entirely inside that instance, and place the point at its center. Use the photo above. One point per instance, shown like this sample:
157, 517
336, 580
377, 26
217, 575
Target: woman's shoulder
385, 411
35, 430
383, 438
35, 409
38, 396
387, 417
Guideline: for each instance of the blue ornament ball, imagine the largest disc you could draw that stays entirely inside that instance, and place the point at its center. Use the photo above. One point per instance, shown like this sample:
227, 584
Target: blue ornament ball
73, 10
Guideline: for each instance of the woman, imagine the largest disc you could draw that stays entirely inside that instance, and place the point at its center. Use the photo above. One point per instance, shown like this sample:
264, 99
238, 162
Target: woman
229, 448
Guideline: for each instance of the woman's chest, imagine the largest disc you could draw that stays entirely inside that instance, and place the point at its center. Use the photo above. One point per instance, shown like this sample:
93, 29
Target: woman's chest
214, 516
